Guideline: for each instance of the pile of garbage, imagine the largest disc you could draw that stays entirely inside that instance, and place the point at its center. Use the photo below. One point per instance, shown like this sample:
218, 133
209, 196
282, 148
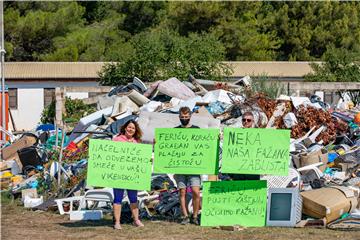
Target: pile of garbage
47, 167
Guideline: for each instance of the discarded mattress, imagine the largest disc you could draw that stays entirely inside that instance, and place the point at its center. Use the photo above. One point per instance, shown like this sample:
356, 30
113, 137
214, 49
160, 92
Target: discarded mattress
148, 121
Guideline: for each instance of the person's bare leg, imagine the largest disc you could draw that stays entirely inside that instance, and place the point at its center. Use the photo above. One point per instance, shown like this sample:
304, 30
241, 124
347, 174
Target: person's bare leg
196, 200
117, 213
183, 202
134, 211
135, 214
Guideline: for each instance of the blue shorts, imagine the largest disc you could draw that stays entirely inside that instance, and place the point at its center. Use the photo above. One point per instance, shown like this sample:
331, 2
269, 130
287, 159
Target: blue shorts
119, 194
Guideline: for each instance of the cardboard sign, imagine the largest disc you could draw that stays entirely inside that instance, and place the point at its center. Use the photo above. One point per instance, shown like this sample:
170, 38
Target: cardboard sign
229, 203
119, 165
256, 151
186, 150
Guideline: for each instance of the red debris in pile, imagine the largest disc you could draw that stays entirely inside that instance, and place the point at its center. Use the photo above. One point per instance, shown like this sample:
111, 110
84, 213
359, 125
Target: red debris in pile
266, 104
309, 116
269, 105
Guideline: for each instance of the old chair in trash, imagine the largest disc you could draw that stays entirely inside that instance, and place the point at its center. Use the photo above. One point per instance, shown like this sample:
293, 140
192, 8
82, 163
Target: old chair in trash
94, 196
282, 181
312, 167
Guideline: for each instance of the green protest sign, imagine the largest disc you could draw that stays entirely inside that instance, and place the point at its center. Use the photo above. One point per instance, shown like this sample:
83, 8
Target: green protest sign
229, 203
186, 150
256, 151
119, 165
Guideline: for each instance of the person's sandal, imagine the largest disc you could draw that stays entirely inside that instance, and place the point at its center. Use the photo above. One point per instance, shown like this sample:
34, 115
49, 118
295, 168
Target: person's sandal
196, 221
117, 227
185, 220
138, 223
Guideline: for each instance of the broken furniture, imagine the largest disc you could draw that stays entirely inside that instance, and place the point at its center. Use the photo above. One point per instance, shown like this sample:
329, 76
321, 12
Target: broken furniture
282, 181
95, 196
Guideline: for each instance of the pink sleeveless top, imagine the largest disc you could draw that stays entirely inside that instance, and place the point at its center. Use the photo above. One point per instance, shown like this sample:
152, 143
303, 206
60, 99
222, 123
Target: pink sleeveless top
123, 138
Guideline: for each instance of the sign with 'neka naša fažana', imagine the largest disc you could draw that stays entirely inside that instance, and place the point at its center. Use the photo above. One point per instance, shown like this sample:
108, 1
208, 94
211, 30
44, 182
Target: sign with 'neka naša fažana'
256, 151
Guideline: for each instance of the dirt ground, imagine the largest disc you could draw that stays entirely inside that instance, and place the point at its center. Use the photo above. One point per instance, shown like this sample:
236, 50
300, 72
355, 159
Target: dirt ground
19, 223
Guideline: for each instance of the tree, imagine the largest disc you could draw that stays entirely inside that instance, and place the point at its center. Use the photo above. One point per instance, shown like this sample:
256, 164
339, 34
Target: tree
249, 31
32, 34
340, 66
238, 25
101, 41
75, 109
164, 54
308, 28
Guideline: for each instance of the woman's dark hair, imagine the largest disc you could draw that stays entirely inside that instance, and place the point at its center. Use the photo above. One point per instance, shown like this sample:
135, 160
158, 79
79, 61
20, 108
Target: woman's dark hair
138, 132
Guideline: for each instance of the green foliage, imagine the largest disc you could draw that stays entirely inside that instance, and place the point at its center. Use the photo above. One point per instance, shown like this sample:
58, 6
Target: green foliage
6, 198
247, 31
308, 28
48, 114
339, 66
163, 54
32, 34
75, 109
262, 84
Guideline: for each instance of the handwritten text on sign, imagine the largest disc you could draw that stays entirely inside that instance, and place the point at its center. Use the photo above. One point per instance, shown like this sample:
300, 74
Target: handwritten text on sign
119, 165
256, 151
186, 150
229, 203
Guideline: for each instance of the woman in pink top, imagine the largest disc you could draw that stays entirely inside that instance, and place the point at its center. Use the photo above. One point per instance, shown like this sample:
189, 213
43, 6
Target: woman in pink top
129, 132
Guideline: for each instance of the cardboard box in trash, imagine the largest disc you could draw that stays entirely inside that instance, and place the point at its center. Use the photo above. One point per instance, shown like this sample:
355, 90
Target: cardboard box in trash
11, 150
331, 202
314, 157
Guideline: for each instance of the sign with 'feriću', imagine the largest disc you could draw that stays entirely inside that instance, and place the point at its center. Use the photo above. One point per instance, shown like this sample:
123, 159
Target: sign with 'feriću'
229, 203
256, 151
119, 165
186, 150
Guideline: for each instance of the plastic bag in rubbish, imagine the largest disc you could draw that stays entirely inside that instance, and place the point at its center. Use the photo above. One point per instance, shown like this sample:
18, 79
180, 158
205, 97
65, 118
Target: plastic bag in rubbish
217, 107
290, 120
32, 202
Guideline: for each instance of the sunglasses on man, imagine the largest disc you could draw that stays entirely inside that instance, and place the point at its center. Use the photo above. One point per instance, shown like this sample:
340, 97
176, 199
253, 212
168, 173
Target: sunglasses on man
247, 120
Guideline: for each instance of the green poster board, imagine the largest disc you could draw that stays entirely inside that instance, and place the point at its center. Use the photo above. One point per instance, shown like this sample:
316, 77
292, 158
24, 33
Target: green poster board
186, 150
256, 151
229, 203
119, 165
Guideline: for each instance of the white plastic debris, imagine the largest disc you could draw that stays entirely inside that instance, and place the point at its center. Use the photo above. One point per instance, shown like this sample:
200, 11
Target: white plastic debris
178, 103
150, 106
290, 120
221, 96
32, 202
86, 215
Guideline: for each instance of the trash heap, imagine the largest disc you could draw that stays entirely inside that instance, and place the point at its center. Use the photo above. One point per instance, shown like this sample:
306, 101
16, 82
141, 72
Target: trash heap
46, 167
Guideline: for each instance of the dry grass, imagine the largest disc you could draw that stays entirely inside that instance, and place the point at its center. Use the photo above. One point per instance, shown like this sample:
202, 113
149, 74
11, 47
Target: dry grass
18, 223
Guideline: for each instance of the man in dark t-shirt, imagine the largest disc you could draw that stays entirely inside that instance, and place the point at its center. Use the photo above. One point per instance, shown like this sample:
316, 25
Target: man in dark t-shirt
183, 181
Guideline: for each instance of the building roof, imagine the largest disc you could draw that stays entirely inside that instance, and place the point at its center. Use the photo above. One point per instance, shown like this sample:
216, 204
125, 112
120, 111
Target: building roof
52, 70
271, 69
89, 70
